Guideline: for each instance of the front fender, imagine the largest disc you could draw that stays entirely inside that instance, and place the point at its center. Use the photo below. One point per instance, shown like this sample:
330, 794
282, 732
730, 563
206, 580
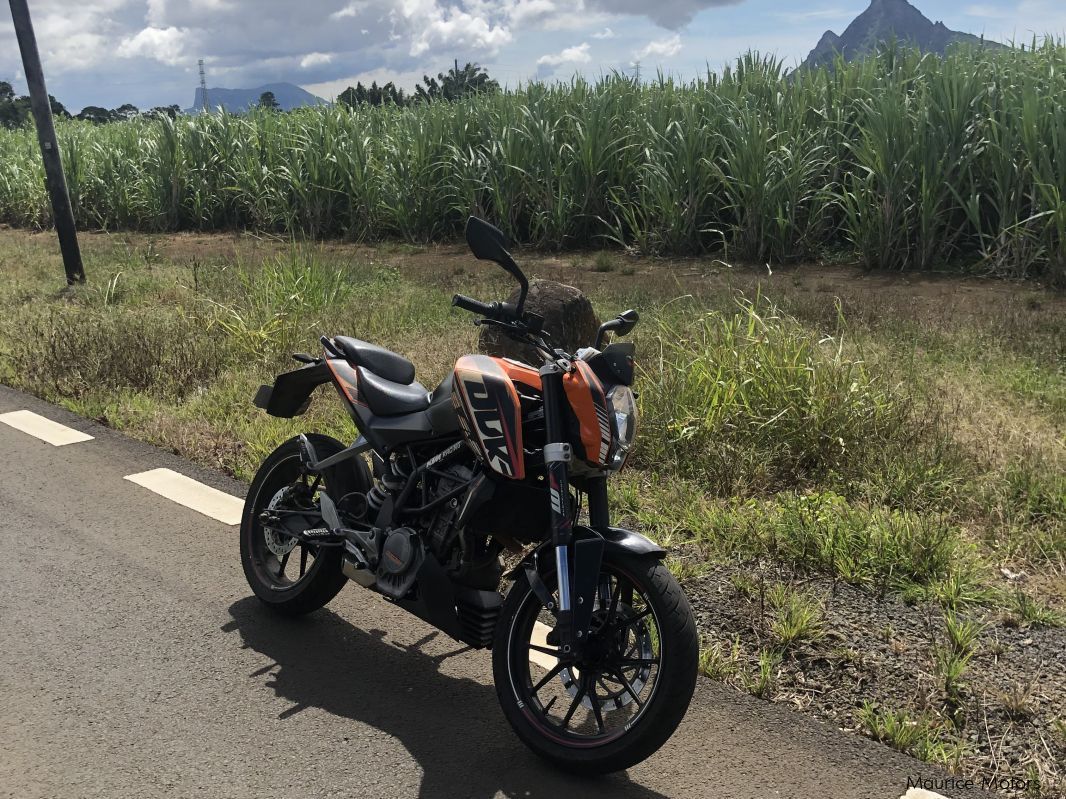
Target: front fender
617, 540
590, 547
623, 541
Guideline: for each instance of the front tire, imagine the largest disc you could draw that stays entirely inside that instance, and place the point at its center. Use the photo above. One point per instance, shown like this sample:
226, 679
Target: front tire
632, 690
303, 578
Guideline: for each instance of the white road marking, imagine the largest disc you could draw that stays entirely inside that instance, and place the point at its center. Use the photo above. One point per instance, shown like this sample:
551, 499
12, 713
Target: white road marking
921, 793
192, 494
54, 433
540, 638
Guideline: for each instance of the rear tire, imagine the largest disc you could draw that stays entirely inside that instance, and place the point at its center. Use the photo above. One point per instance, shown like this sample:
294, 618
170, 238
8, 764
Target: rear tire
323, 578
634, 738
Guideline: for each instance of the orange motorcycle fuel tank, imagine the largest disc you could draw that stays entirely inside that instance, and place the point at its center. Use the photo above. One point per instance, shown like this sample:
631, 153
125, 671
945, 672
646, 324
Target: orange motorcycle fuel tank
490, 412
487, 399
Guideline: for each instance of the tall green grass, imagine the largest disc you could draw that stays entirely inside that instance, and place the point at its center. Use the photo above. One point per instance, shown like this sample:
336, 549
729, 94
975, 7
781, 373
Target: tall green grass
751, 400
911, 161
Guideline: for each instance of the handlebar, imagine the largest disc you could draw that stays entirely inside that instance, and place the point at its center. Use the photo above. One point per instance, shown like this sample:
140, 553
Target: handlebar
489, 309
504, 312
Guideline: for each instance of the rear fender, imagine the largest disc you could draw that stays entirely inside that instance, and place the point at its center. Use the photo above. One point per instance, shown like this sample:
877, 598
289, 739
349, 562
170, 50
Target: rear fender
291, 393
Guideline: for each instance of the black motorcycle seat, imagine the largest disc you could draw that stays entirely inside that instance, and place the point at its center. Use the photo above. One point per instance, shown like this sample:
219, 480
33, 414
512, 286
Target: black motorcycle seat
388, 398
382, 362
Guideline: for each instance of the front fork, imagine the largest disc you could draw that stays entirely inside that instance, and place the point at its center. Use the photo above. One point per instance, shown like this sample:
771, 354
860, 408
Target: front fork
577, 564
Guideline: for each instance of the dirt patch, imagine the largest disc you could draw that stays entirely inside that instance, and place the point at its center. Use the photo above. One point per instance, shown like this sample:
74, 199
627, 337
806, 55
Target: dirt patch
880, 650
940, 296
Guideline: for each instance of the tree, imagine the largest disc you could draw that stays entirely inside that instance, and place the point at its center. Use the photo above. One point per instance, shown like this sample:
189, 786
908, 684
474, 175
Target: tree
374, 95
125, 111
456, 84
16, 111
268, 101
11, 112
58, 110
96, 115
161, 111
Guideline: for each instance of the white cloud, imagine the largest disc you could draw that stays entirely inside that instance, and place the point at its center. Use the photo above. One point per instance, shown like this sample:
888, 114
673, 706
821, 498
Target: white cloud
578, 54
431, 26
79, 51
166, 45
606, 33
353, 9
524, 12
660, 48
315, 60
672, 14
159, 11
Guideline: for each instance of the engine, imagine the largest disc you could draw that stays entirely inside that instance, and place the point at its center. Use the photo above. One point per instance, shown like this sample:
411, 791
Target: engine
471, 559
441, 529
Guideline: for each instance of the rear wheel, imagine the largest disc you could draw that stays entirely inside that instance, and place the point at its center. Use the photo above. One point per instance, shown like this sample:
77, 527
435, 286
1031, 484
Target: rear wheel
630, 689
290, 576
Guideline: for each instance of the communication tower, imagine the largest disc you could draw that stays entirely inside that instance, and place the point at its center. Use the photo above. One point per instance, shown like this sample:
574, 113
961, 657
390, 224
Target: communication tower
204, 105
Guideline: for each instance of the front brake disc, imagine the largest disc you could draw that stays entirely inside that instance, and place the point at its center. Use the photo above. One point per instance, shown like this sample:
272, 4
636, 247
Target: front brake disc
639, 646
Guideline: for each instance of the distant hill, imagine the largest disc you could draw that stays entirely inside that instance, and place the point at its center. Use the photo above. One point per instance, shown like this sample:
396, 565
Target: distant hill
288, 95
883, 21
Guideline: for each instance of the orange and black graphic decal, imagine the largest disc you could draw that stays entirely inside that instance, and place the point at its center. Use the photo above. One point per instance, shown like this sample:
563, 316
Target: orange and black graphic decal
346, 380
586, 396
491, 413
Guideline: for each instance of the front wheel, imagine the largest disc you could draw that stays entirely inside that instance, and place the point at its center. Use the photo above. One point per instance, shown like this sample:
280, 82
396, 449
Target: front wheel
632, 685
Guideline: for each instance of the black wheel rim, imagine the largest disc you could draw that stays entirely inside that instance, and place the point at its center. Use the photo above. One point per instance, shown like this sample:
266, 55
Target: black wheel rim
603, 696
281, 562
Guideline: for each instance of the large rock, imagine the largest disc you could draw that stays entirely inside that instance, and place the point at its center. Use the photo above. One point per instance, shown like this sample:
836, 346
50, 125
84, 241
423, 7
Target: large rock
568, 317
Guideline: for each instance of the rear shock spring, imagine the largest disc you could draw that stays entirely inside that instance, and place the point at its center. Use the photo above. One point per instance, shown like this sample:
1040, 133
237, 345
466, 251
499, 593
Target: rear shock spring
389, 483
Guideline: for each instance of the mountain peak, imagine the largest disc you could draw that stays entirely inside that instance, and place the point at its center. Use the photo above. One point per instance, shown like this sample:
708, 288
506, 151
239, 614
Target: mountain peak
883, 21
287, 95
829, 39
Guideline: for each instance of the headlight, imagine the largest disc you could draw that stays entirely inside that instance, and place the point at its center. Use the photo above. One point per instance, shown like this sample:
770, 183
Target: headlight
623, 409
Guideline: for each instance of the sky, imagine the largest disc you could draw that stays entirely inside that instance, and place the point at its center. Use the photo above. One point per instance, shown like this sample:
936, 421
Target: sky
145, 52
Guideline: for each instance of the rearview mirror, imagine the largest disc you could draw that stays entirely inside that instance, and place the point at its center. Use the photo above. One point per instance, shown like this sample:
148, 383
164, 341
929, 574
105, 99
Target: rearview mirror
621, 325
489, 243
629, 320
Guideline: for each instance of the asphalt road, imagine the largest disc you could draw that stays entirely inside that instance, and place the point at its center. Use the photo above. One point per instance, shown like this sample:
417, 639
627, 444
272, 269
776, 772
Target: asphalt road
133, 663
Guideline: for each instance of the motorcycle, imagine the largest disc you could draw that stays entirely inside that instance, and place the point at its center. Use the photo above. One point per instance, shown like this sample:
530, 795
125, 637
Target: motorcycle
594, 646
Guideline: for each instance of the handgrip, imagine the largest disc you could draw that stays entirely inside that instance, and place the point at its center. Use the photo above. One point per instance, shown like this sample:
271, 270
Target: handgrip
472, 305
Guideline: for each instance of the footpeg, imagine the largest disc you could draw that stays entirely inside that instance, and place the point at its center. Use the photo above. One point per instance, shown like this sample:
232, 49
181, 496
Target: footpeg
356, 568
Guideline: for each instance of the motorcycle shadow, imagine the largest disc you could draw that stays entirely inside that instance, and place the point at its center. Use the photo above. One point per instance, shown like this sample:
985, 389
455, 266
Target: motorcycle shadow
452, 726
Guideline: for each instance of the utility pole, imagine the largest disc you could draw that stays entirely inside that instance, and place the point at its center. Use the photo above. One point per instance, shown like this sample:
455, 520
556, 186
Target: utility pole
62, 213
